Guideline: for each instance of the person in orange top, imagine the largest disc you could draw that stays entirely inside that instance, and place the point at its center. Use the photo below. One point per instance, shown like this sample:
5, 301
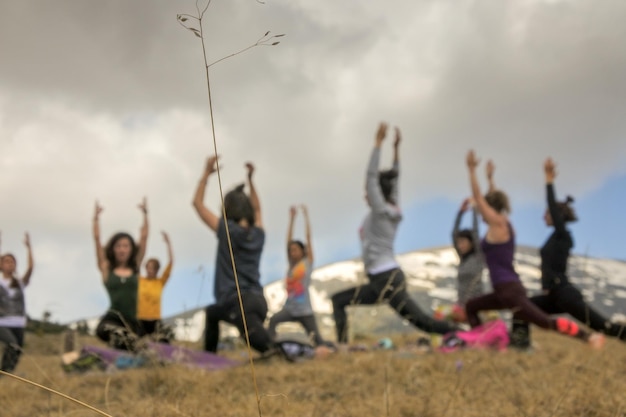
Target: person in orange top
150, 291
298, 305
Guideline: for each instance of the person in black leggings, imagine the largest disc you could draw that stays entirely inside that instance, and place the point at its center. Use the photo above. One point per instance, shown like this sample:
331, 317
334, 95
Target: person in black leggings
498, 247
386, 280
241, 227
559, 295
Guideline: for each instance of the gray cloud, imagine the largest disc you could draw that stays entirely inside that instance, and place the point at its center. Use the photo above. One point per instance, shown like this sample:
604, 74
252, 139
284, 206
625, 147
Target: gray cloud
107, 100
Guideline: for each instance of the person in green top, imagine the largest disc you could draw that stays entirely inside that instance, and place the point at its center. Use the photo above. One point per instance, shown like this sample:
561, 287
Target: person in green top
118, 263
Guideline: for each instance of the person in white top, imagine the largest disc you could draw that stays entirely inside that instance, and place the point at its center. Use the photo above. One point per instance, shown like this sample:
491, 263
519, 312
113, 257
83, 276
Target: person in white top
386, 281
12, 307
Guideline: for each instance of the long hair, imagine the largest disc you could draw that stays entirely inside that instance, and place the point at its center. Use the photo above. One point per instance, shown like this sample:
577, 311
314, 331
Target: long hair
237, 205
14, 282
110, 254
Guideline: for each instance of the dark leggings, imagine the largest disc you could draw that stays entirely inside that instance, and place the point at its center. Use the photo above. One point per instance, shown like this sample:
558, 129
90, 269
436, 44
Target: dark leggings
117, 331
13, 338
308, 322
390, 287
568, 299
156, 329
512, 296
255, 308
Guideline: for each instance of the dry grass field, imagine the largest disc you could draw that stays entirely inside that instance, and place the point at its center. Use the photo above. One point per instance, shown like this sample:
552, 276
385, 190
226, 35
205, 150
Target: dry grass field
560, 378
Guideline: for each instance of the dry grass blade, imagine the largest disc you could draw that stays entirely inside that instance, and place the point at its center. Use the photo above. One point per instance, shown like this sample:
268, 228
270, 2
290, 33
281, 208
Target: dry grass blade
263, 41
60, 394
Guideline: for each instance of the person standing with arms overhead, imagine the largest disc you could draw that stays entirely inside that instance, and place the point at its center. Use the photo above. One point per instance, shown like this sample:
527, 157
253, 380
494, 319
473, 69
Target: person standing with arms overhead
298, 305
243, 226
498, 247
378, 232
559, 295
13, 307
150, 293
118, 263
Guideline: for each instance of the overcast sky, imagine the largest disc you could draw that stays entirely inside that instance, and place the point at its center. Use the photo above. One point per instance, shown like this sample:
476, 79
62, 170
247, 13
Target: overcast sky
108, 101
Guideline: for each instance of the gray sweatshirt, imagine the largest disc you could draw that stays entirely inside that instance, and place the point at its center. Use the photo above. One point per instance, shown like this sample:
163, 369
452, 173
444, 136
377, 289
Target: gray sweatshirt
379, 227
470, 270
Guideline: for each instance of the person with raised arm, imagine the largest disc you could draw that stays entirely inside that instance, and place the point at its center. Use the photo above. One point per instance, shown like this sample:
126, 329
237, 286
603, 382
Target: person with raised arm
13, 317
298, 305
378, 232
498, 247
559, 296
471, 263
240, 228
150, 292
118, 263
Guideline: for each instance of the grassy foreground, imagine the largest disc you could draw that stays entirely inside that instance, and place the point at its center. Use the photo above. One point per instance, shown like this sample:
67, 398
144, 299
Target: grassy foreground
562, 377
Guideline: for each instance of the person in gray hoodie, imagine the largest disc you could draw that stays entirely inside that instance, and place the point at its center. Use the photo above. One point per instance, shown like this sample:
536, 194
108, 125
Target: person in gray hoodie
378, 231
467, 245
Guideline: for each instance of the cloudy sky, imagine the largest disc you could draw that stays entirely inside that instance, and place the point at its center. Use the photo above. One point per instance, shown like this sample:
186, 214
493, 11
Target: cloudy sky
108, 101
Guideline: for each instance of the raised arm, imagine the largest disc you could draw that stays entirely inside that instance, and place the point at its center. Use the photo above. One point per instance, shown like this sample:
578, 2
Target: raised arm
307, 228
254, 197
207, 216
292, 217
102, 263
374, 193
491, 216
457, 222
143, 233
170, 259
475, 233
396, 164
29, 254
558, 222
490, 168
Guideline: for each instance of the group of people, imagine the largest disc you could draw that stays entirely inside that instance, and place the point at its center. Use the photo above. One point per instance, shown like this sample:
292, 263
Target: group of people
135, 301
237, 286
497, 249
242, 236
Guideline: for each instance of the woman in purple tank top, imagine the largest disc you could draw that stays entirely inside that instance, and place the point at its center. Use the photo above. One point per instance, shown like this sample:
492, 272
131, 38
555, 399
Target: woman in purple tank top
498, 247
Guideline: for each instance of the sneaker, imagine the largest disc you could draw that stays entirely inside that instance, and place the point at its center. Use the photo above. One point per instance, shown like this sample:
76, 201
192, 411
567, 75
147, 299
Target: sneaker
596, 340
83, 363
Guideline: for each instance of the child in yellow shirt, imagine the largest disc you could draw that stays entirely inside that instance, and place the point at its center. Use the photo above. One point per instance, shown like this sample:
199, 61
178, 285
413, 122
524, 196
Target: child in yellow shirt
150, 291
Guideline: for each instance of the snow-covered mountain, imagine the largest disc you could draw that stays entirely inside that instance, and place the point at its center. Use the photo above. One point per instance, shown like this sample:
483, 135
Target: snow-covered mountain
431, 279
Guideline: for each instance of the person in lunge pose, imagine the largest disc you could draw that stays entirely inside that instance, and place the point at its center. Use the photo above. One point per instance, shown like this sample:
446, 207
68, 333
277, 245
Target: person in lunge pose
118, 263
386, 279
559, 295
498, 247
243, 226
12, 307
298, 305
470, 270
150, 292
